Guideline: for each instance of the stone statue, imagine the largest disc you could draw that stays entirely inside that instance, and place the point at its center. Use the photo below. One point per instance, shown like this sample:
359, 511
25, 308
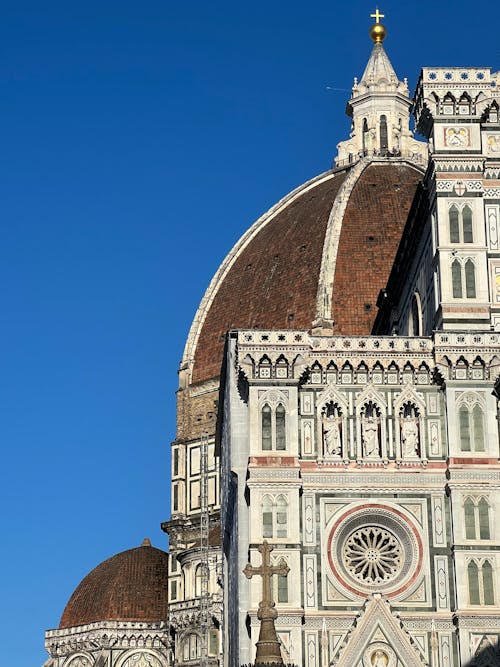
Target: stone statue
409, 436
370, 436
331, 435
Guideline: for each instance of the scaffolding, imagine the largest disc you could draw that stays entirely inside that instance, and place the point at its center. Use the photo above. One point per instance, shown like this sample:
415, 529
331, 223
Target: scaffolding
204, 553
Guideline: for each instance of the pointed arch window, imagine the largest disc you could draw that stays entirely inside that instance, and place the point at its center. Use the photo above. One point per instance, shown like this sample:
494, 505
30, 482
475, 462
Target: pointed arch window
460, 224
384, 143
456, 279
481, 583
365, 135
267, 516
192, 647
470, 519
274, 517
477, 519
463, 274
273, 427
266, 423
471, 427
473, 576
488, 583
470, 279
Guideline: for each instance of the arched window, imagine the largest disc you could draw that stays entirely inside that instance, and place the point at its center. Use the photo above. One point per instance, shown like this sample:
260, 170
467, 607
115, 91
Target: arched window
384, 144
470, 279
267, 516
467, 224
463, 273
280, 428
478, 428
273, 427
477, 519
473, 578
281, 517
198, 579
454, 225
456, 279
464, 428
471, 427
484, 519
415, 322
274, 517
365, 135
460, 223
470, 519
282, 586
488, 583
192, 646
481, 583
266, 427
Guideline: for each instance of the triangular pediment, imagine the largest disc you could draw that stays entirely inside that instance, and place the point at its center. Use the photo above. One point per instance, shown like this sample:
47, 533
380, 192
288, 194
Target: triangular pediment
377, 638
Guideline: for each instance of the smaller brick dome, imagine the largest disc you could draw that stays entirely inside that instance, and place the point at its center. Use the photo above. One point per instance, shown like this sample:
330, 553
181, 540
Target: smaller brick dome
130, 586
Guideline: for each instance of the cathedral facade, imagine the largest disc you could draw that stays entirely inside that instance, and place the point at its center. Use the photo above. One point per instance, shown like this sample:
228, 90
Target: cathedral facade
338, 399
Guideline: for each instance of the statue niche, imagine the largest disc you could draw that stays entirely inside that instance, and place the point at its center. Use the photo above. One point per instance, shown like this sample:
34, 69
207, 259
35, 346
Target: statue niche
370, 430
331, 423
409, 420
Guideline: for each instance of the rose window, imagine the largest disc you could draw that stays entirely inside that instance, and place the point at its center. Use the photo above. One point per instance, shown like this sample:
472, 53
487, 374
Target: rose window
374, 548
373, 555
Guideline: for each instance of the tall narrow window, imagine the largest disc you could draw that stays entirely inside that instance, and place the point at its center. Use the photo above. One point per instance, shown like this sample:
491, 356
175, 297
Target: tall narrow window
488, 583
471, 426
274, 517
454, 225
464, 429
213, 647
267, 517
273, 427
280, 428
281, 517
176, 462
282, 588
473, 577
173, 590
198, 578
384, 144
467, 224
470, 519
470, 279
456, 279
365, 135
266, 428
478, 428
484, 519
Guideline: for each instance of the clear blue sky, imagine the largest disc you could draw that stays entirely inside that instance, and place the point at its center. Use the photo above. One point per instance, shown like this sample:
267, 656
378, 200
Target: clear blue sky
138, 141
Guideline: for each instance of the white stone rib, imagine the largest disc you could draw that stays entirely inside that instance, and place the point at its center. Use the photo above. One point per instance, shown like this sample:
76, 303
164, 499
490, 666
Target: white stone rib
332, 236
206, 302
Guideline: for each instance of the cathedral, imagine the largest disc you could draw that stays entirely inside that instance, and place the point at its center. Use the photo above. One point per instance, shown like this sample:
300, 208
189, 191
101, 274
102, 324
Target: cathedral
338, 399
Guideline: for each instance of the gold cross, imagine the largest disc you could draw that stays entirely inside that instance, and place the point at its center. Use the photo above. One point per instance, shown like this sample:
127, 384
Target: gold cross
377, 16
266, 571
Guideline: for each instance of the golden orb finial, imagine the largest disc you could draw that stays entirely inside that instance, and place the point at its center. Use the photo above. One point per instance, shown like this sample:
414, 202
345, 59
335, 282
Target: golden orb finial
377, 31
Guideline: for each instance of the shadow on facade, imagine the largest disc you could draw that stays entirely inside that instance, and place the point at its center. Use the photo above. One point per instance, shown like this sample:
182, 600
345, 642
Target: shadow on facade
487, 655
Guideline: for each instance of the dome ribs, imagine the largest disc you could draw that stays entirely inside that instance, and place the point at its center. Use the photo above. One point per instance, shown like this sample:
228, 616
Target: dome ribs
273, 281
371, 230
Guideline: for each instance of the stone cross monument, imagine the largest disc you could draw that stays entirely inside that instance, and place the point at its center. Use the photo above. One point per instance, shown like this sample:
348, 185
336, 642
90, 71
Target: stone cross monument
268, 646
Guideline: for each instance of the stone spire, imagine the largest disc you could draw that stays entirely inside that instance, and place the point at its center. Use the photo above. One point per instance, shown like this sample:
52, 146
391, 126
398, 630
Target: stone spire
379, 70
380, 110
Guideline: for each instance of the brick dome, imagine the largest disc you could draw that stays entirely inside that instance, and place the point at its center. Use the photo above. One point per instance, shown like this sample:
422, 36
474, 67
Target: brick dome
323, 252
131, 586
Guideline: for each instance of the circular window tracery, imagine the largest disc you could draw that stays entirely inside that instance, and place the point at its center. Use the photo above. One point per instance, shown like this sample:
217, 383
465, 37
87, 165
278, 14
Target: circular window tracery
375, 548
373, 555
